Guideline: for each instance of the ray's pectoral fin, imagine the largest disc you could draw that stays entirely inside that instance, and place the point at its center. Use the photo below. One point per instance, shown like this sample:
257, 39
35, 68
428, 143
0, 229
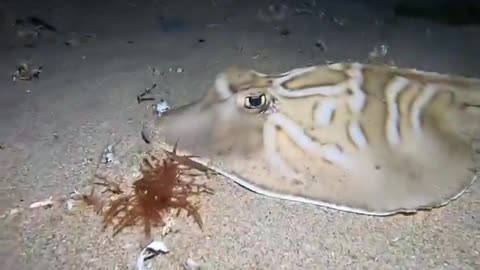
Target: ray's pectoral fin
294, 167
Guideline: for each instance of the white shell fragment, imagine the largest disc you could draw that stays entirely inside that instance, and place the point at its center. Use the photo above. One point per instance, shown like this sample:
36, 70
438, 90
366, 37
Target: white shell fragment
109, 157
69, 204
45, 203
177, 70
152, 250
109, 154
162, 107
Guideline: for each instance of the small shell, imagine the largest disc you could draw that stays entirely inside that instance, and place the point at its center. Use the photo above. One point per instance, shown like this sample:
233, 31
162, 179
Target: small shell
155, 247
108, 154
162, 107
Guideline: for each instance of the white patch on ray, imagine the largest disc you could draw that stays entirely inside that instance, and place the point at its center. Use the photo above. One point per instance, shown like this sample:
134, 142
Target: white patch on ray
337, 66
419, 104
222, 86
331, 90
263, 75
329, 152
295, 73
393, 118
333, 154
322, 116
272, 156
356, 134
359, 98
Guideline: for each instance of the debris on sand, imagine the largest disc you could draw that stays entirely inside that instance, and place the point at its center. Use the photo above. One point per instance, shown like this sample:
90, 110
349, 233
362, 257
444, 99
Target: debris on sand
69, 203
161, 192
90, 199
161, 189
154, 249
108, 155
12, 212
161, 107
176, 69
44, 203
25, 73
141, 97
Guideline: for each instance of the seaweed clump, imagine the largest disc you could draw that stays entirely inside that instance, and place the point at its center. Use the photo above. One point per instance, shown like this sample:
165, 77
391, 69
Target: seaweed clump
162, 188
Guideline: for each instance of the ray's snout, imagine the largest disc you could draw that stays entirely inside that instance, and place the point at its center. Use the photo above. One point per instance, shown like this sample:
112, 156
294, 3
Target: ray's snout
189, 125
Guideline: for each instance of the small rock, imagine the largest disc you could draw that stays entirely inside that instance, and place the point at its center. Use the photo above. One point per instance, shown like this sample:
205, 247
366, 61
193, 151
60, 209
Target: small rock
26, 73
321, 45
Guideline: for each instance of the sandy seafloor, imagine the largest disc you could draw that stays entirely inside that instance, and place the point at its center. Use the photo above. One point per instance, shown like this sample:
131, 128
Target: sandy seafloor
52, 130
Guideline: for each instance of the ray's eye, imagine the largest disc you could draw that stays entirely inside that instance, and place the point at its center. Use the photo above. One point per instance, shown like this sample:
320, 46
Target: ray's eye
255, 102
